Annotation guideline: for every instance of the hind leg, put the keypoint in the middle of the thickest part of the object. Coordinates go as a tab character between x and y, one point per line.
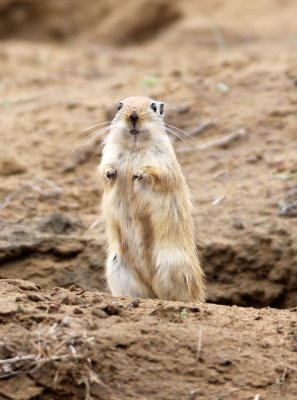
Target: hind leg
177	278
171	286
121	280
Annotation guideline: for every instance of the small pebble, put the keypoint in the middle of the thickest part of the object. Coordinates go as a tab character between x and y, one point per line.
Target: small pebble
10	165
66	322
226	362
54	306
252	160
134	303
237	224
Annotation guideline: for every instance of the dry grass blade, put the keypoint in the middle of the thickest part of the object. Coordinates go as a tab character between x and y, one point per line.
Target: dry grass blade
17	359
85	381
94	224
283	380
17	371
36	362
232	390
199	345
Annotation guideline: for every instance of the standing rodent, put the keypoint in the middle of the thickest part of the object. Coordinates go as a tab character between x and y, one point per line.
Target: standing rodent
147	208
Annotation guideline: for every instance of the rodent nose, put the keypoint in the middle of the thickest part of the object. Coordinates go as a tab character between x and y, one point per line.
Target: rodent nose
134	116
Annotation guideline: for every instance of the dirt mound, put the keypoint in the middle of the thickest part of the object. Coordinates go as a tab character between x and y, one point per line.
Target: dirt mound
67	344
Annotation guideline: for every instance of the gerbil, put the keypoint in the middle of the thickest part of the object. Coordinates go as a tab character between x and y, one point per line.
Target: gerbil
147	208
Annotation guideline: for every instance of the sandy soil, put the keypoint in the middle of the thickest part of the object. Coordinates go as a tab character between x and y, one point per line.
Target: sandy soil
221	66
90	345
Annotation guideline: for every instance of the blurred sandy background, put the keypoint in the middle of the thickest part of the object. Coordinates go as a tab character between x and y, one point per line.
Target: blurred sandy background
222	65
226	69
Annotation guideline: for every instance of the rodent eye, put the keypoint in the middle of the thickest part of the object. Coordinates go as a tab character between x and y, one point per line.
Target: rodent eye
154	107
120	106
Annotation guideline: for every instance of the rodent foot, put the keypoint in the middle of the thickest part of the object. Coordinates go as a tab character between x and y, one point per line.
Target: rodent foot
139	175
110	173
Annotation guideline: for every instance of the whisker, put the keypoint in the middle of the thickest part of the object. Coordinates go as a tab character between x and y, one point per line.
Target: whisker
169	130
91	137
90	127
180	130
96	134
175	133
98	117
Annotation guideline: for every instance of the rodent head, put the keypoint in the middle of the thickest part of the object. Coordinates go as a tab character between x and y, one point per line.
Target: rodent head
139	118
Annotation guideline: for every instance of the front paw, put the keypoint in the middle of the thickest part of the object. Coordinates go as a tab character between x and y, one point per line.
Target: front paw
110	173
140	174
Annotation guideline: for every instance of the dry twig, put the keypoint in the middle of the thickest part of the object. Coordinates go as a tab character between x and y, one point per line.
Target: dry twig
85	381
202	127
57	191
35	185
221	142
36	362
17	359
4	203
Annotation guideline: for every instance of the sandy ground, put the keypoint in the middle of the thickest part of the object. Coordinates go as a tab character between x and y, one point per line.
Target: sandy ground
221	66
89	345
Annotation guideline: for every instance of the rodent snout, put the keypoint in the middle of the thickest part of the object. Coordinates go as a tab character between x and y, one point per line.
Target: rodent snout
134	117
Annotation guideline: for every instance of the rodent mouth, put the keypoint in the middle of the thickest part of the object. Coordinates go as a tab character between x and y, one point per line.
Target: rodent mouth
134	131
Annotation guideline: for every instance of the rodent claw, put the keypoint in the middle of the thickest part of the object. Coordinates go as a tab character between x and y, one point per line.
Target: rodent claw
138	176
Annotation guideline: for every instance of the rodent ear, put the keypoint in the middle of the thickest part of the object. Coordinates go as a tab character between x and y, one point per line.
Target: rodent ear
162	109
